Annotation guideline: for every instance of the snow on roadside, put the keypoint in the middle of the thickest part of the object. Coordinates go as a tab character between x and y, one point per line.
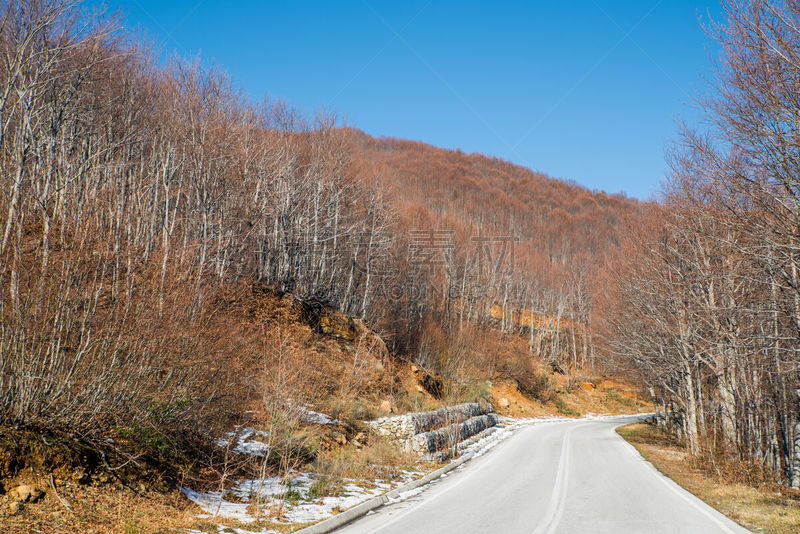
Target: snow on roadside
310	416
254	447
233	503
325	507
243	443
225	528
213	505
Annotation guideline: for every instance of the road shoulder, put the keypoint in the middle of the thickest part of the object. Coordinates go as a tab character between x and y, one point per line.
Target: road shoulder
761	508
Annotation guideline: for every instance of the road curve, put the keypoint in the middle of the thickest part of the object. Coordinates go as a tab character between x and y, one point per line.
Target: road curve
558	477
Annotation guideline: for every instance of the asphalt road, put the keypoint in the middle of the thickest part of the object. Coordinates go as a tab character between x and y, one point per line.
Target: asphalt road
565	477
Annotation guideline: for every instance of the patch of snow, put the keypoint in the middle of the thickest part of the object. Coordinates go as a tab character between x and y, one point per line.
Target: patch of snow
225	528
352	495
271	487
403	495
310	416
214	504
271	490
243	443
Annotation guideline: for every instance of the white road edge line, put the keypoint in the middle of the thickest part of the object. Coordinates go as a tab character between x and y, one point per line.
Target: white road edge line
684	494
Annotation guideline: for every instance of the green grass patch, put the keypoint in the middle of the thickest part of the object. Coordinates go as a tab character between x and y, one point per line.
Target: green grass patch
563	409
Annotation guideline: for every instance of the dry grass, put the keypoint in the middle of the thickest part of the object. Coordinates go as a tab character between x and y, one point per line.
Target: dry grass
112	510
605	396
100	510
764	508
107	508
381	459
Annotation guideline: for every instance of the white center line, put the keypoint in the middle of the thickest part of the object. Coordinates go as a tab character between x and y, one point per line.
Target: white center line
555	508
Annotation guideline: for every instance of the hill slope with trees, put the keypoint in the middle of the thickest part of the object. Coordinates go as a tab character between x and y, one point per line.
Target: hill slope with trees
134	194
175	259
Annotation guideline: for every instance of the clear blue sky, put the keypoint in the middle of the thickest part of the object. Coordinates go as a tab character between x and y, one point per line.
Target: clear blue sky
587	90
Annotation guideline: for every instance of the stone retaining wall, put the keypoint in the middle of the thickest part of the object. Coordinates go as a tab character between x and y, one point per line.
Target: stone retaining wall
425	433
447	437
409	425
